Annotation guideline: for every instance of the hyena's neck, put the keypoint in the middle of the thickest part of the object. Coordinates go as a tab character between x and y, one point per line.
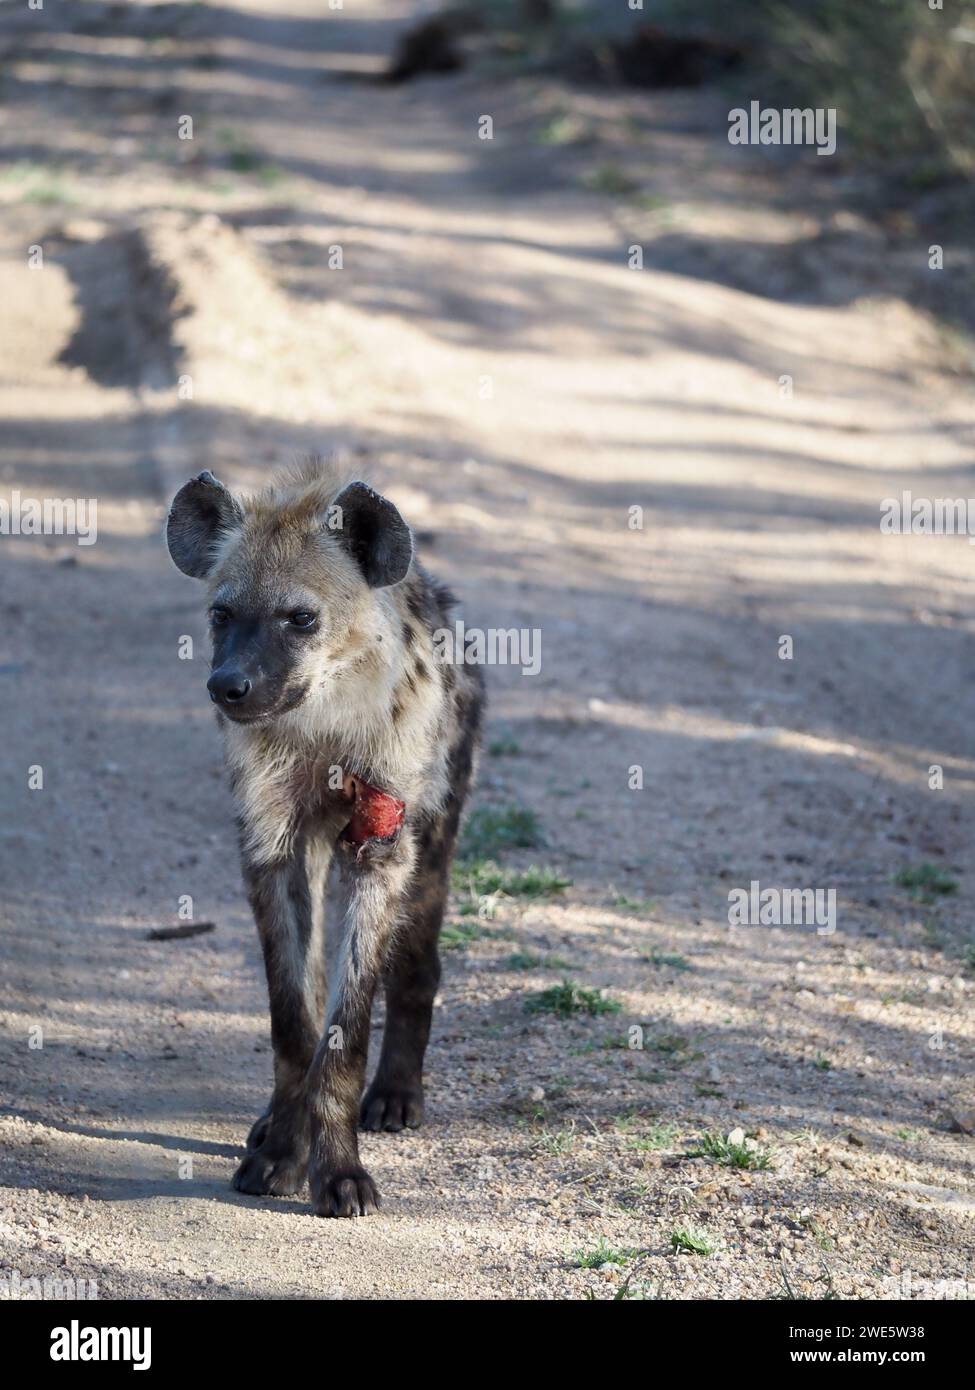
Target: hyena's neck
377	713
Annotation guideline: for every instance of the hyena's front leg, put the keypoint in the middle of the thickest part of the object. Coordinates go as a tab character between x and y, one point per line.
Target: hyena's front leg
288	903
394	1101
377	879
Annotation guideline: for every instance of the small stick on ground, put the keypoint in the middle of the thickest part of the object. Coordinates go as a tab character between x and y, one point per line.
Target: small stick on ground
185	929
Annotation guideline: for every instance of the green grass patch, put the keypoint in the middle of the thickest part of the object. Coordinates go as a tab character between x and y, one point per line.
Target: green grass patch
456	936
659	1136
927	881
525	960
554	1142
491	830
565	129
823	1280
934	935
611	180
504	748
693	1240
482	878
822	1238
244	158
39	183
559	963
604	1254
566	1000
625	904
732	1154
652	202
244	161
665	961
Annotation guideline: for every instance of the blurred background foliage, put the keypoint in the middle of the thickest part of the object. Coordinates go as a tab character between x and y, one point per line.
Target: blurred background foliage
900	74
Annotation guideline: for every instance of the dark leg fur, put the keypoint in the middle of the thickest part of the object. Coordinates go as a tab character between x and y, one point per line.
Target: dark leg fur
291	930
340	1186
259	1129
394	1101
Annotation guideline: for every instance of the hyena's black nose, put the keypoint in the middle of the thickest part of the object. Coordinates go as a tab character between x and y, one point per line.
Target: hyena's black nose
228	687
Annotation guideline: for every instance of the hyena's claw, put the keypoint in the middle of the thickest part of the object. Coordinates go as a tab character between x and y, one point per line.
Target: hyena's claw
260	1175
346	1194
259	1129
392	1108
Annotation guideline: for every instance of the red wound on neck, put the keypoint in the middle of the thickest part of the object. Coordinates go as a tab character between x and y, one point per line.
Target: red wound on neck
375	814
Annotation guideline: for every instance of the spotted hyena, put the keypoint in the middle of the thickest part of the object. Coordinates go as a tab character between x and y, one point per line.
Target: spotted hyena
346	740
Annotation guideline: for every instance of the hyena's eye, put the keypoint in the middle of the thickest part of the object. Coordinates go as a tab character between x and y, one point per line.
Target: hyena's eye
302	618
219	616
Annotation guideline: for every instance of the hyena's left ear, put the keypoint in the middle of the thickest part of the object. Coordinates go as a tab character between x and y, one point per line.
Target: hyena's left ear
375	533
202	511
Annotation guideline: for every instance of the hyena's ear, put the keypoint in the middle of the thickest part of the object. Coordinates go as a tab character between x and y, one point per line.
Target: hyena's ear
202	511
376	535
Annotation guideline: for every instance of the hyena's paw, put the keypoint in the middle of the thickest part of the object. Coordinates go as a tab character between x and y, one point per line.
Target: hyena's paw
259	1129
263	1174
392	1107
348	1193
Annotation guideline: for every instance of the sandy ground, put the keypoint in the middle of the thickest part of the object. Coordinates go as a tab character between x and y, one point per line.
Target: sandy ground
517	388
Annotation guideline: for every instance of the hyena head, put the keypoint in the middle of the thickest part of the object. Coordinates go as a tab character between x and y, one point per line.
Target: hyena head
292	577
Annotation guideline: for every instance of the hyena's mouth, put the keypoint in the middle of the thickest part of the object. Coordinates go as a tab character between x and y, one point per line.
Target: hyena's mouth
293	698
290	700
254	717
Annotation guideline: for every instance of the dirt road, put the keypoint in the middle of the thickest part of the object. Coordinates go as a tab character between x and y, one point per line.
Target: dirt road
331	262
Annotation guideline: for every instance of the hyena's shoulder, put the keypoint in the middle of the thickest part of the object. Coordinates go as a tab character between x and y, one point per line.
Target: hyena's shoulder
426	603
428	607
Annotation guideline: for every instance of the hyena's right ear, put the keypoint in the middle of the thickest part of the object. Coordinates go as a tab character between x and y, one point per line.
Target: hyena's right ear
202	511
